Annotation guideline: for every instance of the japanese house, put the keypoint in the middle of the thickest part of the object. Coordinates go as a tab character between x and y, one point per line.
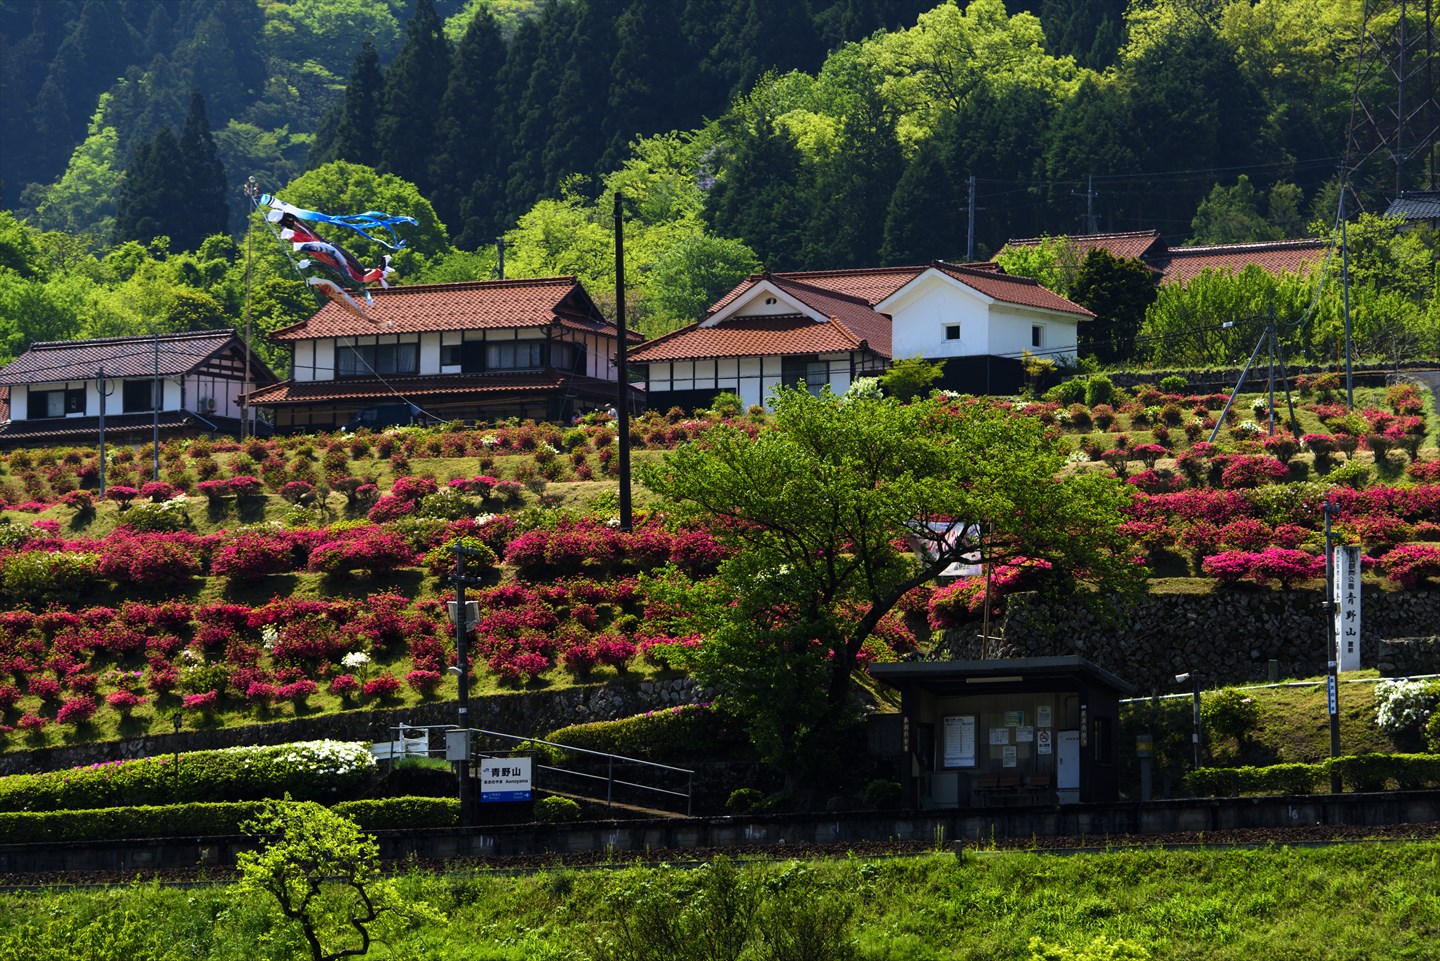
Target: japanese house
482	350
831	327
193	380
1179	264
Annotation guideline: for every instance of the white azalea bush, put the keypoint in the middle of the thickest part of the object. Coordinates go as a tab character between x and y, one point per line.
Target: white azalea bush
1403	706
306	770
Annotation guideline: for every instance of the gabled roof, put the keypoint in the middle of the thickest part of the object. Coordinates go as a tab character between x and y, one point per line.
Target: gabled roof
470	305
180	353
870	285
783	335
1010	289
1181	263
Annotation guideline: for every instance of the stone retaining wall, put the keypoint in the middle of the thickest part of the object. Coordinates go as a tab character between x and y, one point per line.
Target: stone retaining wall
529	714
1229	636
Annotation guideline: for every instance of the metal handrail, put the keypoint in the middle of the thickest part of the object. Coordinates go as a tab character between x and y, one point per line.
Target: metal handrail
609	778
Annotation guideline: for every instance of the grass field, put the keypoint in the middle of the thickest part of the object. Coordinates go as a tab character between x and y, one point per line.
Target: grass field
1355	901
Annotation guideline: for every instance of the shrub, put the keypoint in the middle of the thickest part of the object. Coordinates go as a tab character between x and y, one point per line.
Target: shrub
1229	713
372	550
167	516
124	701
556	810
298	492
881	795
307	770
425	683
206	702
122	495
382	686
1174	384
1403	706
344	686
1242	472
1411	564
38	575
440	561
668	733
1376	772
744	800
1099	390
1277	563
77	710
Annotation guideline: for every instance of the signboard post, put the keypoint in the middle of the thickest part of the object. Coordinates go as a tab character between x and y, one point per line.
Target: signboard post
1347	606
505	779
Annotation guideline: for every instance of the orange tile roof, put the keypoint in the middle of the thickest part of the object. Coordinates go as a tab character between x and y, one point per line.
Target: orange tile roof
471	305
1125	244
1276	257
749	337
871	285
1011	289
431	386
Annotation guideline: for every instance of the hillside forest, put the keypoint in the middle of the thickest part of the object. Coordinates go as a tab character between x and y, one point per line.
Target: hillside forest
742	134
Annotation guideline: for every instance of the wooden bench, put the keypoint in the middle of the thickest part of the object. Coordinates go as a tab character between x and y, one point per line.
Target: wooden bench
1037	789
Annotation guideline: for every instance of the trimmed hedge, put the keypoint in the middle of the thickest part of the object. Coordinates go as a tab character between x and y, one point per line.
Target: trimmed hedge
210	819
324	771
1364	772
676	732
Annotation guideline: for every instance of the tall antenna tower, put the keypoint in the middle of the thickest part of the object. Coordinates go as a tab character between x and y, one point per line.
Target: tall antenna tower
1394	114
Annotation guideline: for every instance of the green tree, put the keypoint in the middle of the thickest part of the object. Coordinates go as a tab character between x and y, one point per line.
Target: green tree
1054	262
465	169
760	196
691	275
1118	292
145	208
414	87
83	199
923	221
814	508
201	193
324	873
348	130
1230	215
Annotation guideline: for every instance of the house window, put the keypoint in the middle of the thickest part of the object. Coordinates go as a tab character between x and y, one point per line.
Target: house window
952	331
814	372
520	355
450	355
1037	336
137	395
56	403
371	359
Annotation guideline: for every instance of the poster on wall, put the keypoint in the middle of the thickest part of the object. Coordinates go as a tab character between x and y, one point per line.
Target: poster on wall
999	736
959	748
1043	742
1024	735
1347	607
1009	756
1043	716
1014	718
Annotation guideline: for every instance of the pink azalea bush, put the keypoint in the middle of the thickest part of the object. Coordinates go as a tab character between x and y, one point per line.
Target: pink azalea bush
1411	564
1275	563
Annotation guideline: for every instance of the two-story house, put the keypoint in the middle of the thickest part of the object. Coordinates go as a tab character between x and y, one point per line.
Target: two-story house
478	350
830	327
190	383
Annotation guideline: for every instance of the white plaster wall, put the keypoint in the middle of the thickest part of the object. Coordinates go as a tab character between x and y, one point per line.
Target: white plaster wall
324	359
19	402
1011	325
430	353
919	319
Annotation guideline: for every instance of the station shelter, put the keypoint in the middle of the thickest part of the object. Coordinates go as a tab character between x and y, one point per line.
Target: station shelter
1033	730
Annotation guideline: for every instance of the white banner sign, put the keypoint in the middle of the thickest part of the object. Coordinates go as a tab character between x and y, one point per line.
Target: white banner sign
1347	607
505	779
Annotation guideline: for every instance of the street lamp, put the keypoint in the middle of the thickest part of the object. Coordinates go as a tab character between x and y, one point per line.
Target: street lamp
1194	679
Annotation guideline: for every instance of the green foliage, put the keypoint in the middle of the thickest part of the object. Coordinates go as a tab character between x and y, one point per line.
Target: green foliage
321	770
1053	261
910	378
1099	949
1174	384
213	818
1118	292
556	810
669	734
1229	713
42	575
881	794
1098	390
324	873
743	800
815	506
1364	772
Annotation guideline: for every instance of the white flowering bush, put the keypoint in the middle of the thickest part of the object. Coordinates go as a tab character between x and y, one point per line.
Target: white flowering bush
1403	706
306	770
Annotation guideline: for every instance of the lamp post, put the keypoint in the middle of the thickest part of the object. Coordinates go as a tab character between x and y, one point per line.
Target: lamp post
1194	680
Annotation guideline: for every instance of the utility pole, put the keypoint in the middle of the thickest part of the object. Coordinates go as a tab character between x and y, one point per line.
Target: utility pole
1089	195
252	191
622	368
970	230
500	255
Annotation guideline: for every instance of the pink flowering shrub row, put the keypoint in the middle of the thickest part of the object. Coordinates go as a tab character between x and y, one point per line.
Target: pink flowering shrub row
1411	564
598	549
965	598
1284	565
